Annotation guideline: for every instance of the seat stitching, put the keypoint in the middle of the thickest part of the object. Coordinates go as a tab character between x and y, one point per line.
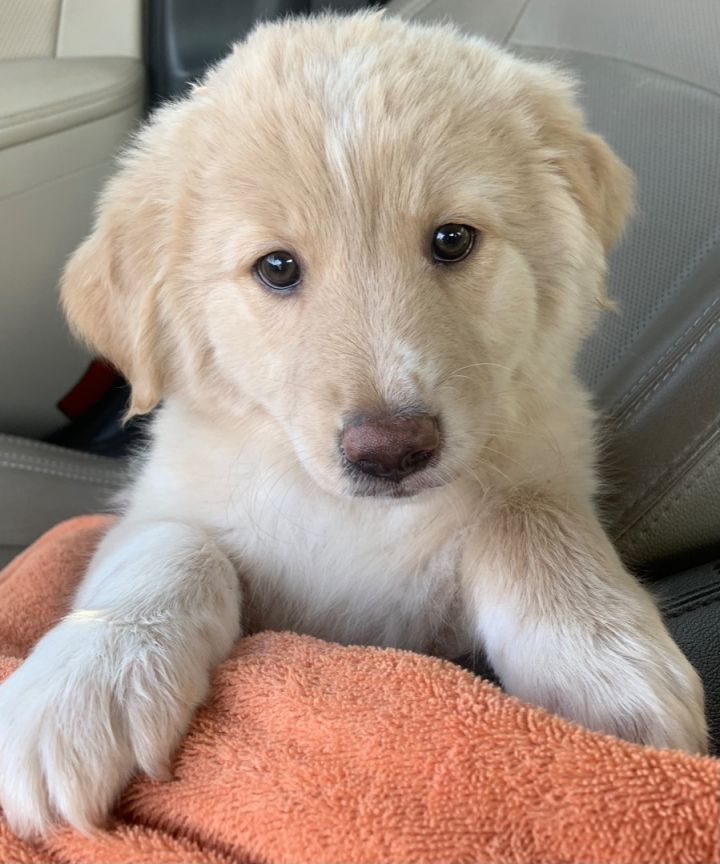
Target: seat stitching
641	380
67	466
43	445
711	602
683	487
696	594
649	488
695	344
40	469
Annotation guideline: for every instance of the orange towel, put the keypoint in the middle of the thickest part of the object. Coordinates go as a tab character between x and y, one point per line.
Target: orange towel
312	752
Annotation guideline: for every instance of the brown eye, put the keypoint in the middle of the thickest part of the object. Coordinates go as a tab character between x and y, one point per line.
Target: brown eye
452	243
278	271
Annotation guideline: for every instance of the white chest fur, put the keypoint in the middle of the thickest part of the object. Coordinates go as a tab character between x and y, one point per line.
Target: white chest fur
355	570
349	570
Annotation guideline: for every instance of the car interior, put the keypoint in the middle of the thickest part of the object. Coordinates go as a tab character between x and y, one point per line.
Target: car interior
76	78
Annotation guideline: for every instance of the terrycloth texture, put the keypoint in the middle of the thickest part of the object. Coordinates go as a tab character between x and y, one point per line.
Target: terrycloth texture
311	752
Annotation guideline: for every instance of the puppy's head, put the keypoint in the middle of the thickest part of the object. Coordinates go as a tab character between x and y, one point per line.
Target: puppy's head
372	231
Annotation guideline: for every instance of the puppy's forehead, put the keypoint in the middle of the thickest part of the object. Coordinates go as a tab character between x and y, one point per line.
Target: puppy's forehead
360	117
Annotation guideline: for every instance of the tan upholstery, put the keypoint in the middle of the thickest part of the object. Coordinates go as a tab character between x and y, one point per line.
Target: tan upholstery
62	121
28	28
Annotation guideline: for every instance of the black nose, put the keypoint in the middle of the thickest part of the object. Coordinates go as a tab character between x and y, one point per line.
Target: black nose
391	446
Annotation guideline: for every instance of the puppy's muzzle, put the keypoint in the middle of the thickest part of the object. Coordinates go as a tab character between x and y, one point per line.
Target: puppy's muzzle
390	446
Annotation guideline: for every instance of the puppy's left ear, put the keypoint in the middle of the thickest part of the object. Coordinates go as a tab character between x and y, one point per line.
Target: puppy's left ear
599	181
602	184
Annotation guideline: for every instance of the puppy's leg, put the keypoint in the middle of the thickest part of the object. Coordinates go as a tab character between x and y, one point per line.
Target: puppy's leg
567	627
113	686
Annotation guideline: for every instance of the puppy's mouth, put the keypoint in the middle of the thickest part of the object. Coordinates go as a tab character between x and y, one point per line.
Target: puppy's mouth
393	485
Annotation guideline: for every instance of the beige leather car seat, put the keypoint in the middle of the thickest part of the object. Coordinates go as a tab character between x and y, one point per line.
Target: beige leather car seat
71	88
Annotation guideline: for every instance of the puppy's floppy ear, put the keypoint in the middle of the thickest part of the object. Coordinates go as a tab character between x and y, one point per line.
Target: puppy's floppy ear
600	182
112	286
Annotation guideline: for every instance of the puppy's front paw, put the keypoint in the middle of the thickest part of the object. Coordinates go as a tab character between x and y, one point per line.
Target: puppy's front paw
90	706
643	690
666	703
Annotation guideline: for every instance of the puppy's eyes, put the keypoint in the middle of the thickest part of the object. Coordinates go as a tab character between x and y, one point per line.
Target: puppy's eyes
452	243
278	271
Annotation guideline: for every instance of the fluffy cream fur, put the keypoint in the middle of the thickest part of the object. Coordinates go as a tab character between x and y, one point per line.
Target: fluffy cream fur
346	141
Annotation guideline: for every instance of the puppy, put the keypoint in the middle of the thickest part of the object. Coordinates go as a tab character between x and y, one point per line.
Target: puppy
355	264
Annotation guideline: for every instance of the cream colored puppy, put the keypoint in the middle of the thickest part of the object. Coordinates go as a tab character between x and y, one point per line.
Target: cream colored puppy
355	265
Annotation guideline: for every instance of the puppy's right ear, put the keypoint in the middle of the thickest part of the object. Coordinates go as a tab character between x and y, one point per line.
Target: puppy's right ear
600	182
112	286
